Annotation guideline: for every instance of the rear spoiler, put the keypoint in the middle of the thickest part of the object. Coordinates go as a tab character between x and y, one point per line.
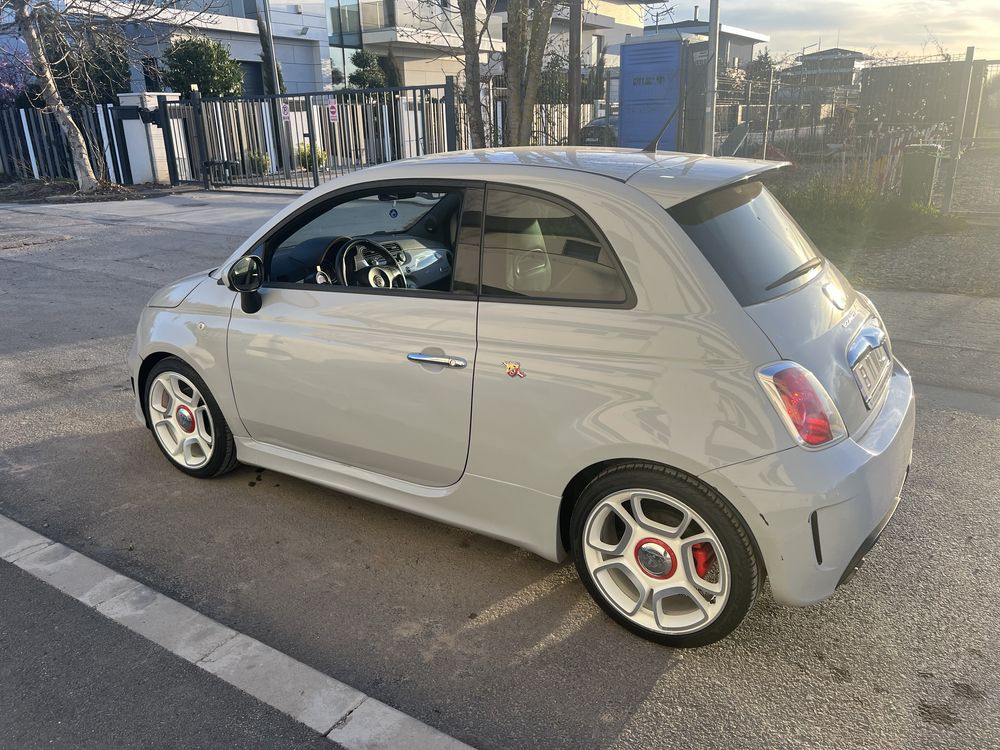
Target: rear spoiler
677	178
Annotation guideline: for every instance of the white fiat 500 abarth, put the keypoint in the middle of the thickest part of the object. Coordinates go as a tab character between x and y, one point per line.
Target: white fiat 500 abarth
635	359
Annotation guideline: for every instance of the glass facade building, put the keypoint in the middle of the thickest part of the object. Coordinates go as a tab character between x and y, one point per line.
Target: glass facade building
348	21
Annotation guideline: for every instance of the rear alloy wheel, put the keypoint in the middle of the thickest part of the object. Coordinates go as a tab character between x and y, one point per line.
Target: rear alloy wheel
187	423
664	555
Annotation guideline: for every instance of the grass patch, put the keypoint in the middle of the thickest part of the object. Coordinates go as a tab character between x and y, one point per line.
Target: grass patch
850	214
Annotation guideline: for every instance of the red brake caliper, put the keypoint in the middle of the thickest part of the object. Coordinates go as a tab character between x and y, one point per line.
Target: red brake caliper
704	556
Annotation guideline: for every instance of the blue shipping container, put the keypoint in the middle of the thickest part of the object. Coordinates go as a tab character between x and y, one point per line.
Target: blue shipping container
650	89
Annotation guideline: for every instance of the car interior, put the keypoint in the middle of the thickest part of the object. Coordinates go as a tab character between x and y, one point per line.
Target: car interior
406	239
535	247
383	240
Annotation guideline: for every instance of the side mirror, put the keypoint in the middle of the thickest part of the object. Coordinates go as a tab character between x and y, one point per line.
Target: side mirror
247	274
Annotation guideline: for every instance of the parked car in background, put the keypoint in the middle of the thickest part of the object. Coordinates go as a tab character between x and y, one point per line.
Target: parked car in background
601	131
635	359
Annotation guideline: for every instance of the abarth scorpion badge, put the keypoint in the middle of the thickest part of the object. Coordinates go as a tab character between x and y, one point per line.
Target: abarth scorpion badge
513	369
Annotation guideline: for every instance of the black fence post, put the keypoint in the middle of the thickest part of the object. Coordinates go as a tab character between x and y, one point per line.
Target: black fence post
450	115
163	115
313	140
199	124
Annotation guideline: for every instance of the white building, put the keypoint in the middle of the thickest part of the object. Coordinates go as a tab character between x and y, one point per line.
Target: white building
300	41
421	39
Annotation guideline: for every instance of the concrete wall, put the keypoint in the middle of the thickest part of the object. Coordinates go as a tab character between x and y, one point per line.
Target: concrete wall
147	155
428	72
300	42
299	57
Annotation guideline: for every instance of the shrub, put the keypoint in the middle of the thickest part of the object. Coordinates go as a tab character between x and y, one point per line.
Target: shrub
841	214
259	162
304	155
367	73
204	62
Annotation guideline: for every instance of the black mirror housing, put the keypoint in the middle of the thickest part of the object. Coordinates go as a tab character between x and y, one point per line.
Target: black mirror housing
246	274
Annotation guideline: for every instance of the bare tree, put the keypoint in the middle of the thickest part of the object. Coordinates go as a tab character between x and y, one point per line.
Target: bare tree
528	40
528	25
475	23
463	39
53	31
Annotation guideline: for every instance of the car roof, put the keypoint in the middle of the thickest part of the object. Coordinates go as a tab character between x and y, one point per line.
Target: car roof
668	177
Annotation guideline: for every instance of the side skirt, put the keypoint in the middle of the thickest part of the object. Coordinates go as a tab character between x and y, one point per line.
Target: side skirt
501	510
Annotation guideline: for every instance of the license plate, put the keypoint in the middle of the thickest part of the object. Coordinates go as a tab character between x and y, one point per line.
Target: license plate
870	371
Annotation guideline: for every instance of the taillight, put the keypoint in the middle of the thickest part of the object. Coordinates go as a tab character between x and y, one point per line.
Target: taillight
803	404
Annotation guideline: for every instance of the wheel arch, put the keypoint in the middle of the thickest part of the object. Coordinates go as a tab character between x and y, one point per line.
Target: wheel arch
145	367
584	477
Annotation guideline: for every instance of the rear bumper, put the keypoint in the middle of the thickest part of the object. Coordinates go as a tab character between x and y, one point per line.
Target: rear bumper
815	514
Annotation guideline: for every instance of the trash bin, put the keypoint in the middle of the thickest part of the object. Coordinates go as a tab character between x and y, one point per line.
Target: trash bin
919	170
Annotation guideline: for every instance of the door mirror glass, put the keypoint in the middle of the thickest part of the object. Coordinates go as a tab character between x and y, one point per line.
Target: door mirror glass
246	274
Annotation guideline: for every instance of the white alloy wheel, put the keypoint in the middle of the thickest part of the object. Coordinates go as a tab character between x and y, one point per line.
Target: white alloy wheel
657	561
181	420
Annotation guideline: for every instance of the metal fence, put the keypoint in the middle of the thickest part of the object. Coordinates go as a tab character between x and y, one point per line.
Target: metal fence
300	140
550	116
33	146
860	131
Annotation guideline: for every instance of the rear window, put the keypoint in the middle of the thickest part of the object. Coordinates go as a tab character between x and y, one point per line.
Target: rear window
751	241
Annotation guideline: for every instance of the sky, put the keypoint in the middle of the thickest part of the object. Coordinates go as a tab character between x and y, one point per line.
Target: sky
890	26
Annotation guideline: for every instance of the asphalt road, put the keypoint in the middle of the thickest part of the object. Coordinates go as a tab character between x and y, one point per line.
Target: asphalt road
69	677
476	638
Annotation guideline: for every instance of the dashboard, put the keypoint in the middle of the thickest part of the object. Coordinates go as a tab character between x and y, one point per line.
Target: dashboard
424	262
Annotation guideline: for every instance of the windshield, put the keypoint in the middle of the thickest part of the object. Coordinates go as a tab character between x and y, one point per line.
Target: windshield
375	214
751	241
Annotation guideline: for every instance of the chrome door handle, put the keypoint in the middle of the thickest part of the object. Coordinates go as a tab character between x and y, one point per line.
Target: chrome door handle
429	359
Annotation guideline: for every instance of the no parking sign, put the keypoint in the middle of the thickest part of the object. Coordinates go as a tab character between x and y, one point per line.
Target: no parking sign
286	112
332	110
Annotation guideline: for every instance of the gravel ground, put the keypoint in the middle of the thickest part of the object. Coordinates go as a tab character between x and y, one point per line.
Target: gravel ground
978	185
966	263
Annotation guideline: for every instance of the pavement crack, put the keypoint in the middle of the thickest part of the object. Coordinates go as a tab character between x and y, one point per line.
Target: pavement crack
208	657
346	717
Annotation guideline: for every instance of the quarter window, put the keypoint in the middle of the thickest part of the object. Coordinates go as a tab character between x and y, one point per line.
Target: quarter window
542	249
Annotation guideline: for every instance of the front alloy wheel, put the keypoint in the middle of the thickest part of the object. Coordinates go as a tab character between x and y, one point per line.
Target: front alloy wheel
664	555
181	420
186	421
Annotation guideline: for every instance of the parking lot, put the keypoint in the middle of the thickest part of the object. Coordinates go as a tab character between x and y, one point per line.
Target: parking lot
483	641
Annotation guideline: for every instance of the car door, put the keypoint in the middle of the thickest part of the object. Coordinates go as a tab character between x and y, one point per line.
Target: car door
561	357
379	379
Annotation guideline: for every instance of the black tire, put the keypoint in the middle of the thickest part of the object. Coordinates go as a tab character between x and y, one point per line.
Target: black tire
745	568
223	458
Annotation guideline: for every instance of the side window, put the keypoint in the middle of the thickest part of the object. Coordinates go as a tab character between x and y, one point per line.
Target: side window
542	249
385	238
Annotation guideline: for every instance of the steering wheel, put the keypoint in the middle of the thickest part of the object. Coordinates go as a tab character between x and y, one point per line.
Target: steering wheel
357	272
335	270
325	273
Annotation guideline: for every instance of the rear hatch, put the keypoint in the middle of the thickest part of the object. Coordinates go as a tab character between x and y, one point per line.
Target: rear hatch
798	298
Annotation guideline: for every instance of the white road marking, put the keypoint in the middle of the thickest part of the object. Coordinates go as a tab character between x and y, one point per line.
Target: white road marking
330	707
